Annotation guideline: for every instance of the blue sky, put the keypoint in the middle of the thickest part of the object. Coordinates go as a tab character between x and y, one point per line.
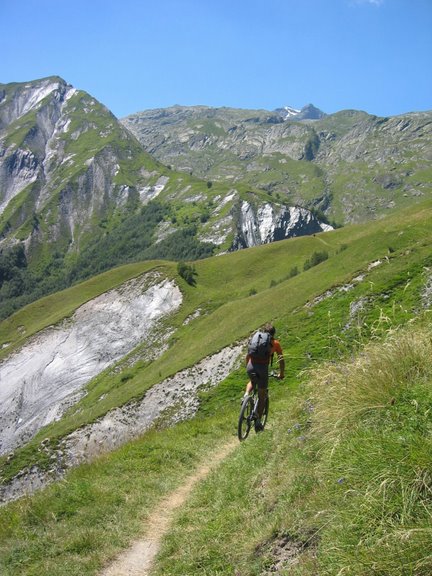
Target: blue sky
372	55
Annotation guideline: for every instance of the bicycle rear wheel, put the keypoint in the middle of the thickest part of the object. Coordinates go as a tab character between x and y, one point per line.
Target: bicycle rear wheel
245	419
265	412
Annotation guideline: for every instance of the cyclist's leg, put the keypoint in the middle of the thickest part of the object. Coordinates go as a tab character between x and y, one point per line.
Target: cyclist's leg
258	374
249	387
262	389
253	378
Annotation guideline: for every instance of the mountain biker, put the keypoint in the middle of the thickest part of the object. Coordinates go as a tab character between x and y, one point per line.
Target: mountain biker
258	371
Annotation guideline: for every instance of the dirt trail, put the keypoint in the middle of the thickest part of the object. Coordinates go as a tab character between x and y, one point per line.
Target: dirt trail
138	559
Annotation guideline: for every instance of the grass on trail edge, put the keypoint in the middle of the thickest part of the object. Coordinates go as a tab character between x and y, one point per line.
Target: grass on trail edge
76	526
339	483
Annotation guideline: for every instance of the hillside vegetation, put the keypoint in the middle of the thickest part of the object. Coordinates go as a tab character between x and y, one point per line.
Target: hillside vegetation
82	192
351	165
340	480
340	484
79	195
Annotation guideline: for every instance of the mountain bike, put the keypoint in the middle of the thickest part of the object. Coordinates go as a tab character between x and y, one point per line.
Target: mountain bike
249	411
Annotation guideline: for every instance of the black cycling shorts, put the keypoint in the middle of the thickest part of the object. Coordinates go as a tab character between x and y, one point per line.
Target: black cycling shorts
258	374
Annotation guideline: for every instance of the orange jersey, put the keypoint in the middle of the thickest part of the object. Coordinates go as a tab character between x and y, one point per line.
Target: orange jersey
276	348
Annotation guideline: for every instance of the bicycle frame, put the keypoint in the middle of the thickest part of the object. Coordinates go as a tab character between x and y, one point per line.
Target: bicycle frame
249	411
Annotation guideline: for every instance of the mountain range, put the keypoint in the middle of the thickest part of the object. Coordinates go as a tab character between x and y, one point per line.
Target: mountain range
81	191
79	194
350	165
136	259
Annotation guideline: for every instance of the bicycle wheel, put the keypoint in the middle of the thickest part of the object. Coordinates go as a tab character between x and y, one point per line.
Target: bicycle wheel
245	419
265	412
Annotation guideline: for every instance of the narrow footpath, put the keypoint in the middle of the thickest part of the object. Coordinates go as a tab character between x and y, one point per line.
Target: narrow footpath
138	559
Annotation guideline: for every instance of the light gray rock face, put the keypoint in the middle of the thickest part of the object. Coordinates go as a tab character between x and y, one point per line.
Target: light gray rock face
21	163
67	156
48	374
28	96
253	224
18	170
177	395
174	399
269	223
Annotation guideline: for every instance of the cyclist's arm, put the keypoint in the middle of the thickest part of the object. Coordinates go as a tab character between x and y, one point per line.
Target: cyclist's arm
278	350
281	366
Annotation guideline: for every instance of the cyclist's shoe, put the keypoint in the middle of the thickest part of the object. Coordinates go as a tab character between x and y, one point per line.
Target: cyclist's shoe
258	425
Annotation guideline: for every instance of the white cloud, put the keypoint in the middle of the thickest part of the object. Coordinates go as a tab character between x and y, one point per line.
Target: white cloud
370	2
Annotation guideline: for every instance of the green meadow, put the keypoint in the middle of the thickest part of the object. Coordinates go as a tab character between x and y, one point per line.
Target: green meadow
339	482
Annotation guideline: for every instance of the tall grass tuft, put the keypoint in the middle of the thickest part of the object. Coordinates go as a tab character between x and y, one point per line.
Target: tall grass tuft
372	423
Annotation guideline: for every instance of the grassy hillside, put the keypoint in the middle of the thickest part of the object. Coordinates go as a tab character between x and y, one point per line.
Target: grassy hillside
339	482
235	293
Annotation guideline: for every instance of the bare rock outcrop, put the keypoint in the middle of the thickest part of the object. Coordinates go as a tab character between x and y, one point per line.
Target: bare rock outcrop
49	373
173	400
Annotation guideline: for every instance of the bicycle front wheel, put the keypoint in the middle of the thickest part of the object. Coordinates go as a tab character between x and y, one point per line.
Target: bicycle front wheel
245	419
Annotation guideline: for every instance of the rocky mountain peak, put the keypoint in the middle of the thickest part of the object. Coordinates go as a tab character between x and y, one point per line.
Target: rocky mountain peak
19	99
308	112
288	112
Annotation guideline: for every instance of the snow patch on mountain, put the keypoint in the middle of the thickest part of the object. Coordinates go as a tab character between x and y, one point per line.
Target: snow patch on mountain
308	112
290	111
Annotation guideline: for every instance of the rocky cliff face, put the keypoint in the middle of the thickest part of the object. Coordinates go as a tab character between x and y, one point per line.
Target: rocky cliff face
351	165
61	155
27	142
270	223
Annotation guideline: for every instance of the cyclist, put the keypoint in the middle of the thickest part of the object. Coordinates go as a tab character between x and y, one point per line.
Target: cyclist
258	371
